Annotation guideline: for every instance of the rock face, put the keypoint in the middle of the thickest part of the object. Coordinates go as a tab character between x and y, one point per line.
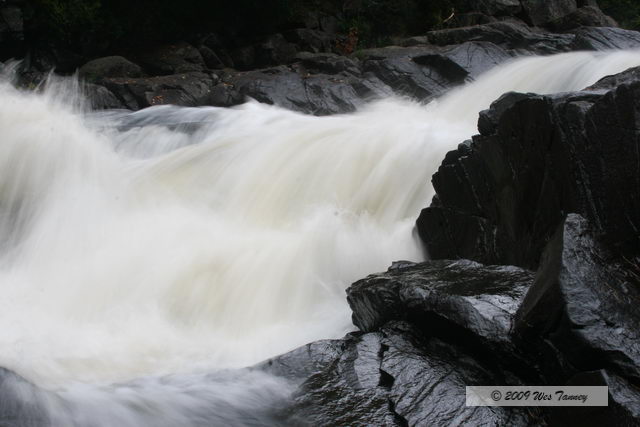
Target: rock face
480	300
109	66
501	196
380	378
513	36
584	303
605	38
189	89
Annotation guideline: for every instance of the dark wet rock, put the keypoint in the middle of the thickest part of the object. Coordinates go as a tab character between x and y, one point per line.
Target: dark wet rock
297	89
584	304
612	82
596	38
328	63
488	119
482	300
101	98
425	72
20	404
475	57
542	12
511	36
415	41
460	302
588	16
501	197
109	66
189	89
427	380
306	360
170	59
397	377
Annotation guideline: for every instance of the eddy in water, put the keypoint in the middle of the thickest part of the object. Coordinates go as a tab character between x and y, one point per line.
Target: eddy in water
140	259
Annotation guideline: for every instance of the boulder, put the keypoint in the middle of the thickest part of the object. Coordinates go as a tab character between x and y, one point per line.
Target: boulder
479	301
297	89
101	98
512	36
188	89
175	58
583	303
543	12
109	66
597	38
328	63
393	377
424	72
501	196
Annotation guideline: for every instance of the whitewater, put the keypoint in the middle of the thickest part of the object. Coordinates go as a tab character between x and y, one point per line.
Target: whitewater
144	253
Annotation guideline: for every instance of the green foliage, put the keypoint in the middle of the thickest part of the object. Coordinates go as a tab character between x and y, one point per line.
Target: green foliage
68	20
626	12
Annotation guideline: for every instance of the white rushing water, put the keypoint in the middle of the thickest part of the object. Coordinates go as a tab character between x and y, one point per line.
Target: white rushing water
131	250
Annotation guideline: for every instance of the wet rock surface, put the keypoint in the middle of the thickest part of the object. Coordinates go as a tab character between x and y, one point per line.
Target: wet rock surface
584	303
396	377
501	196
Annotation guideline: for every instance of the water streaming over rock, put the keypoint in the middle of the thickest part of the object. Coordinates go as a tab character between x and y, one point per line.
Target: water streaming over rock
140	253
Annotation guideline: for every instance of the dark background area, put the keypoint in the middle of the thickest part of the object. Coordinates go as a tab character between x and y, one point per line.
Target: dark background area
92	28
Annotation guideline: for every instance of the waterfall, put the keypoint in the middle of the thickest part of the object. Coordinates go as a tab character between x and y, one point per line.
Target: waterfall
142	252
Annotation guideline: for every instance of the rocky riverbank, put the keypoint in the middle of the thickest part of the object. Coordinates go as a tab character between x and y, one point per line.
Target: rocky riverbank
315	70
551	185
